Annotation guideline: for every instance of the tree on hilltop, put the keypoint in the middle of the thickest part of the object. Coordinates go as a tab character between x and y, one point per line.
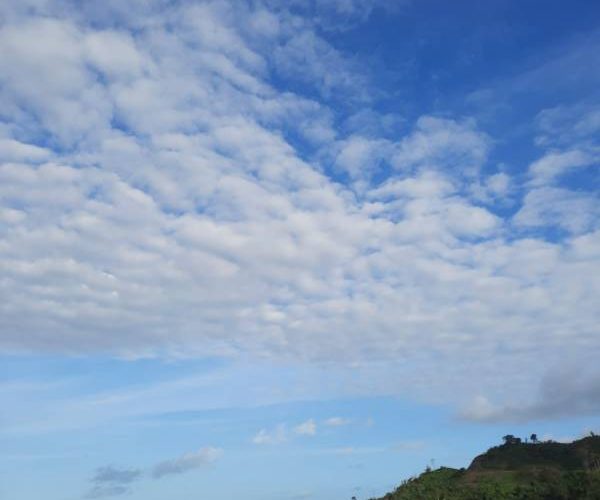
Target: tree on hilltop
510	439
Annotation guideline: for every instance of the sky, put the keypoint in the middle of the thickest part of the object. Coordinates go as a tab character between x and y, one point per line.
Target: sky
292	250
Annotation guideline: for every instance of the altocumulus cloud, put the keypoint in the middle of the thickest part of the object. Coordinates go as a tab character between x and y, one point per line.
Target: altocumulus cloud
166	212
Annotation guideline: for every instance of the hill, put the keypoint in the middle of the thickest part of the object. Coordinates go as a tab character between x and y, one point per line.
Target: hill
515	471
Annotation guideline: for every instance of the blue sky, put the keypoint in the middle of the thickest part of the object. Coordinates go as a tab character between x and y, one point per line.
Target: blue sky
292	250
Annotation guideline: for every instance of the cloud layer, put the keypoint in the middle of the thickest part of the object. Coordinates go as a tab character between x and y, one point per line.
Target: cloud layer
180	180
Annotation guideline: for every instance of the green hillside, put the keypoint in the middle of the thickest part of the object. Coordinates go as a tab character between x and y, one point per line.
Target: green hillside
515	470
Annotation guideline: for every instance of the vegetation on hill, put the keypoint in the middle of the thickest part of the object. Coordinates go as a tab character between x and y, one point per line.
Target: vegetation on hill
515	470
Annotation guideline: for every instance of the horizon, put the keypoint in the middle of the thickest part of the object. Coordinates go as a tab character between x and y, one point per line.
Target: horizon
292	250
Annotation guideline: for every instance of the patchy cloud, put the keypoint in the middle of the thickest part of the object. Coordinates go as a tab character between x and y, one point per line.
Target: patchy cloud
163	194
112	481
575	212
308	428
277	435
110	474
337	421
187	462
555	164
443	143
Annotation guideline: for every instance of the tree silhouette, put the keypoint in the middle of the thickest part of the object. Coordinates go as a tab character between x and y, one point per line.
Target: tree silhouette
534	438
510	439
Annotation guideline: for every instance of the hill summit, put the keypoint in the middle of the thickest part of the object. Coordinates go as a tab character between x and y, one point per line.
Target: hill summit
516	470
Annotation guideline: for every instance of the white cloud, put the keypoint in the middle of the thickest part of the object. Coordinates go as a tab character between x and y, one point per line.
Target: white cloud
277	435
554	164
360	156
498	184
12	150
568	125
308	58
46	53
308	428
479	409
336	421
495	189
428	184
336	15
115	55
444	143
576	212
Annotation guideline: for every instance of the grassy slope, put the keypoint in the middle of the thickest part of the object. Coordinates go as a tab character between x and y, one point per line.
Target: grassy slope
544	471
